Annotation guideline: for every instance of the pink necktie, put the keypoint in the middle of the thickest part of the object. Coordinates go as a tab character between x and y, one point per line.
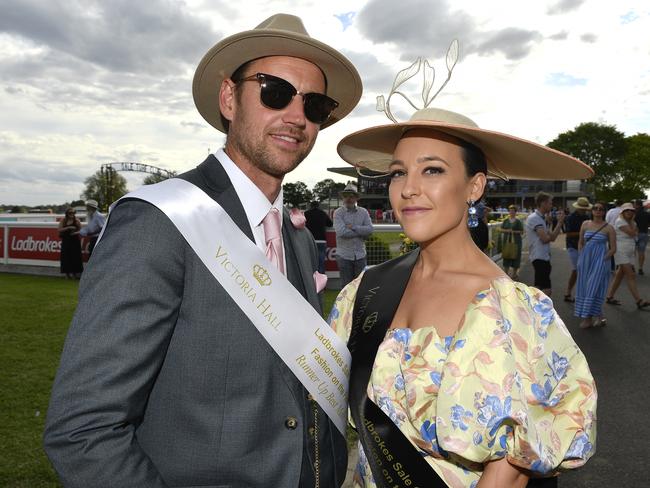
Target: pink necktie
273	236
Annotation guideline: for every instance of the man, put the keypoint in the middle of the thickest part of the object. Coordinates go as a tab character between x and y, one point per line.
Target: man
610	217
317	223
95	224
539	240
164	380
353	226
572	229
642	219
613	213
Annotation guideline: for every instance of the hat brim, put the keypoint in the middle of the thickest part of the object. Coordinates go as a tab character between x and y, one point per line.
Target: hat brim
343	81
507	156
580	207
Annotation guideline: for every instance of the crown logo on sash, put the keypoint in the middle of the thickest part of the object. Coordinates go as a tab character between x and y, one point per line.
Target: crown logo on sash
261	275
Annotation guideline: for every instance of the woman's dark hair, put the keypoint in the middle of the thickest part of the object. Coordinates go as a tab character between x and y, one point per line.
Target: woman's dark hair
473	158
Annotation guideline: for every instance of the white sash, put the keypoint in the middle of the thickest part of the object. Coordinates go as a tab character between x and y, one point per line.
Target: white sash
297	333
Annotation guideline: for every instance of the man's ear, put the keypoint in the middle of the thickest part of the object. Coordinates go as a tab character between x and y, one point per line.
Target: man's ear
227	104
477	186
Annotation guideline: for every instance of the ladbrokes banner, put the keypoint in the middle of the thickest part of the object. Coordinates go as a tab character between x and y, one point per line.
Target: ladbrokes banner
34	243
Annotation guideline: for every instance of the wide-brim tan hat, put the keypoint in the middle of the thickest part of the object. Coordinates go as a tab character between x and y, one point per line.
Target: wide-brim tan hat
627	206
279	35
350	189
92	203
582	204
507	156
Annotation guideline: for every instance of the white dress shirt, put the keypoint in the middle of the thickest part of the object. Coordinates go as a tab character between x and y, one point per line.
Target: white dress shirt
255	203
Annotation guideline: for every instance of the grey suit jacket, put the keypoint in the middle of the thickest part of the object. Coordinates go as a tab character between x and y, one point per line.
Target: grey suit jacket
164	381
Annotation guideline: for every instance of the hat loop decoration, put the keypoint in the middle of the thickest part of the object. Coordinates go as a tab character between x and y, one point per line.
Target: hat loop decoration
429	76
371	150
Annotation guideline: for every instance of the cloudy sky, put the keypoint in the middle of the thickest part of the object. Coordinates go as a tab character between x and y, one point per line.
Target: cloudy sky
85	82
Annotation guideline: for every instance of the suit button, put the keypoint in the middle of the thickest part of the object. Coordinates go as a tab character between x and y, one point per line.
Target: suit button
291	423
311	431
309	397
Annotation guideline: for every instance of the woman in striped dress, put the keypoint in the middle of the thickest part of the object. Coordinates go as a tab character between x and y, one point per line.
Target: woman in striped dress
597	245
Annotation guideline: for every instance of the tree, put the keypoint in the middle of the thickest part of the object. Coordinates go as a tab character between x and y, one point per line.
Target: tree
153	178
600	146
296	193
635	169
326	189
105	187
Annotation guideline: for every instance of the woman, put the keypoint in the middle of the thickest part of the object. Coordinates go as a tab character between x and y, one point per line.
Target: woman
596	245
626	232
69	227
511	231
455	366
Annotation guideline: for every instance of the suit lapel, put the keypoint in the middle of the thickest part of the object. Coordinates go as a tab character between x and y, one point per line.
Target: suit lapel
213	180
299	268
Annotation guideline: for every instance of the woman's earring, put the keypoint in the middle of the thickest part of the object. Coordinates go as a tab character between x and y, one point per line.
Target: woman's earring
472	219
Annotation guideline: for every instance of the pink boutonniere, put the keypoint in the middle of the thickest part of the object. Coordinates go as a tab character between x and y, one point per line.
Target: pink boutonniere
297	218
320	280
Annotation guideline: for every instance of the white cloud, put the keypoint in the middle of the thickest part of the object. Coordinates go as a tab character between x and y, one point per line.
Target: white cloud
112	81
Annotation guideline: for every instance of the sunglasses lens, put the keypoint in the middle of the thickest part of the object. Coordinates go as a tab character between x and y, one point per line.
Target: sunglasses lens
276	93
319	107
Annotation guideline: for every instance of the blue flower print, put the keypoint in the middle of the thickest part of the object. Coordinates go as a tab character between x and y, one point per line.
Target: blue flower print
506	326
544	308
399	382
543	393
436	378
540	466
459	343
458	417
334	314
402	335
388	408
478	438
580	448
492	412
559	366
474	483
446	346
428	433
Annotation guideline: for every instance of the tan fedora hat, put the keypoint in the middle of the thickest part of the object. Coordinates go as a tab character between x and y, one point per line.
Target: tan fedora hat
350	189
582	204
507	156
279	35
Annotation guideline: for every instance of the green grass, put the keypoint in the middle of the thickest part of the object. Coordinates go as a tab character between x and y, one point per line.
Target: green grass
36	312
34	318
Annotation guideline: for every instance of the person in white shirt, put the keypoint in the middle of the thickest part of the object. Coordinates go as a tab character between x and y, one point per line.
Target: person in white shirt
539	238
613	213
626	233
94	226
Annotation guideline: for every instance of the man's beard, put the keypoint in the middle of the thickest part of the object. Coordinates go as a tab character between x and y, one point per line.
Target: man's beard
262	158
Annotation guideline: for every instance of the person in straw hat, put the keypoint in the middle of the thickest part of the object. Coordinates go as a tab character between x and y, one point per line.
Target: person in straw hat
460	376
164	381
572	225
352	225
626	232
95	222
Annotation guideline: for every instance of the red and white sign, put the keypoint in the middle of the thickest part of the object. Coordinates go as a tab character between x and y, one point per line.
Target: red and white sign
34	244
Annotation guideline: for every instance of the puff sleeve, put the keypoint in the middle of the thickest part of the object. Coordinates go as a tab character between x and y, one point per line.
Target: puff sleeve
519	387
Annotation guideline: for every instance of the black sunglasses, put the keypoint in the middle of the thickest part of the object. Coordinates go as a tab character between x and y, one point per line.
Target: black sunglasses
277	93
598	208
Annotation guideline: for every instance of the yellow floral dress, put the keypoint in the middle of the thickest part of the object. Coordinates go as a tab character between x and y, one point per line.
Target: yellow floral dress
511	382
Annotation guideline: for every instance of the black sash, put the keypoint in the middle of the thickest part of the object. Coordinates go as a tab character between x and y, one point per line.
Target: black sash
393	460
